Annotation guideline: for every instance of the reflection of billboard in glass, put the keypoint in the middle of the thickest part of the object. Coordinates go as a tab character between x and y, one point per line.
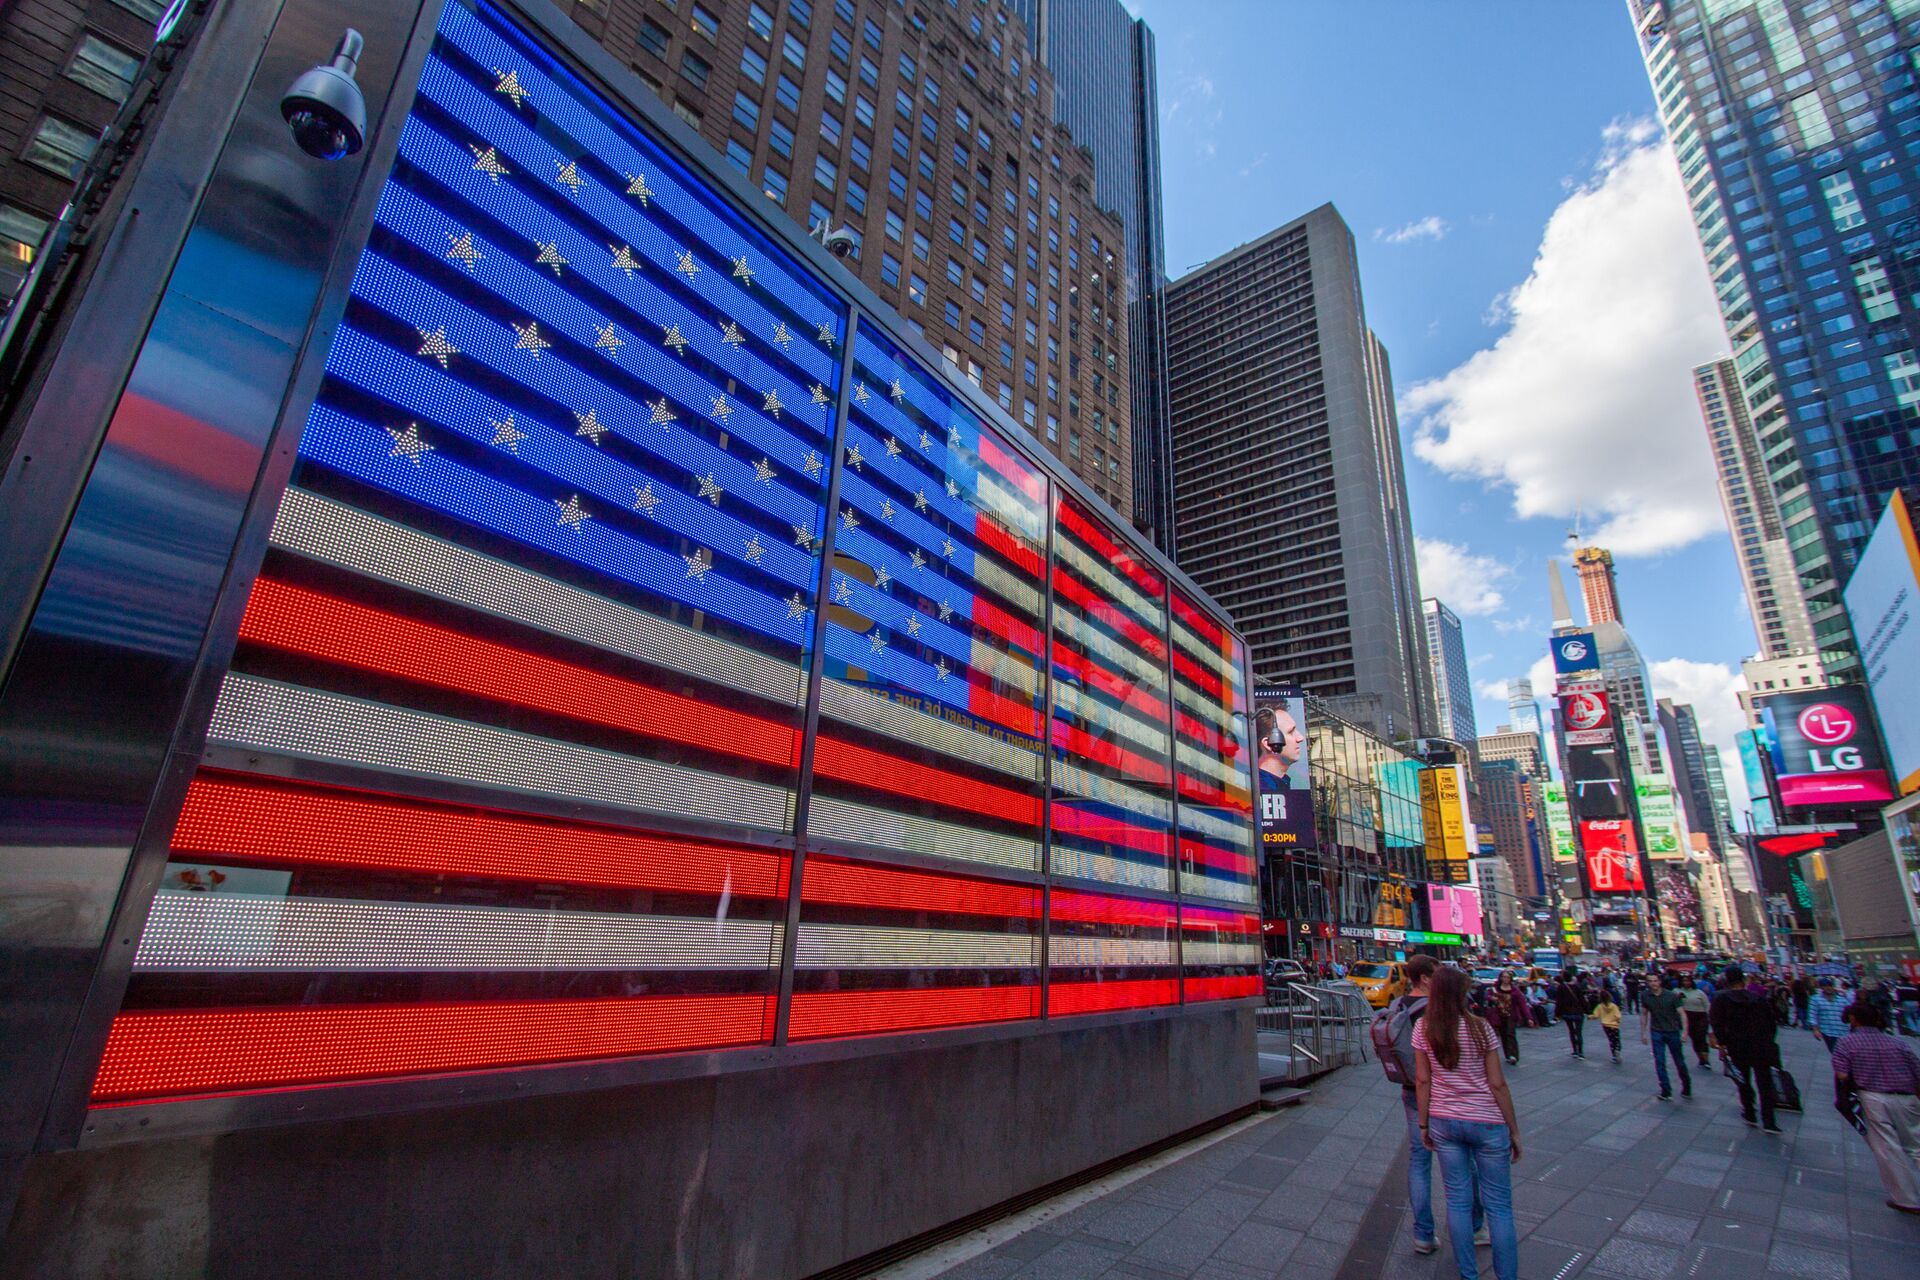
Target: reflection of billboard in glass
1454	909
1280	753
1883	599
1613	856
1212	764
1825	750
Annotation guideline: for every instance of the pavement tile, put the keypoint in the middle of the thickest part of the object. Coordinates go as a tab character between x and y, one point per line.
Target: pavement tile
1669	1194
1074	1260
1027	1246
1821	1225
1641	1259
1708	1263
1130	1221
1224	1209
1315	1260
1262	1171
1256	1244
1544	1259
1651	1224
1180	1244
986	1266
1735	1234
1810	1264
1570	1226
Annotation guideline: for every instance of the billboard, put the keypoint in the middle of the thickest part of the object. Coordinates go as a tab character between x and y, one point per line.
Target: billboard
1443	807
1586	718
1825	751
1575	653
1883	599
1553	801
1613	856
1659	818
1454	909
1280	756
1594	784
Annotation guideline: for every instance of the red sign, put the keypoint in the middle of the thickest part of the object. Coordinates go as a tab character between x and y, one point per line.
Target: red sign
1586	718
1613	855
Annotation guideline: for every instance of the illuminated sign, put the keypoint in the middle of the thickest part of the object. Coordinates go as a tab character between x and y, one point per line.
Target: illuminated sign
1585	718
1280	749
545	593
1659	817
1575	652
1443	807
1613	856
1883	599
1825	752
1553	799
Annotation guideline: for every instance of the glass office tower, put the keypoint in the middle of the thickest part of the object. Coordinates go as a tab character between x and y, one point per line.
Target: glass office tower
1105	92
1795	130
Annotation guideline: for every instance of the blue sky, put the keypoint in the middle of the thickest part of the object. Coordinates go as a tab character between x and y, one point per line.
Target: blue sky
1527	259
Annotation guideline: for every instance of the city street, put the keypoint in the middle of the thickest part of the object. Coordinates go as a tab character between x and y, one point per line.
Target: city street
1613	1184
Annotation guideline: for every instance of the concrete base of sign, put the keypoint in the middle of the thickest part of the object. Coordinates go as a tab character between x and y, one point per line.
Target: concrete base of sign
769	1174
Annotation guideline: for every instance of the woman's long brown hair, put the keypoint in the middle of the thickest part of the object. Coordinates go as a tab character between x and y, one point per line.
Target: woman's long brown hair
1447	1013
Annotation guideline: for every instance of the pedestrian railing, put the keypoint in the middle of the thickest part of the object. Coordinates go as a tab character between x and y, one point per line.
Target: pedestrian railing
1308	1029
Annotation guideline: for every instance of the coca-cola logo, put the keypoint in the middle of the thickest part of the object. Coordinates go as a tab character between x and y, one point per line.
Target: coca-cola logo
1827	724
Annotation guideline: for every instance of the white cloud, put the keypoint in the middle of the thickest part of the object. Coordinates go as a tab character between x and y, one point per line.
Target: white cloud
1712	690
1246	170
1459	579
1585	404
1431	227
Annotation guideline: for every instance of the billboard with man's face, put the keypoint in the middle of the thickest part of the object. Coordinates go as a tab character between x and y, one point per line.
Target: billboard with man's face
1280	756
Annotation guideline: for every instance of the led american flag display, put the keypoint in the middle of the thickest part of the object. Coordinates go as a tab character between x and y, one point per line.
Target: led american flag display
507	769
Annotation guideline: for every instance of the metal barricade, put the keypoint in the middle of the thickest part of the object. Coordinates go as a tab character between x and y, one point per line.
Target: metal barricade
1308	1029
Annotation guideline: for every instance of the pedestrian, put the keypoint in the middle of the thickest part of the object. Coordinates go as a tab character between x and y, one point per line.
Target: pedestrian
1826	1013
1570	1006
1802	993
1413	1007
1633	984
1693	1003
1742	1022
1910	1008
1466	1117
1607	1014
1507	1013
1885	1073
1660	1025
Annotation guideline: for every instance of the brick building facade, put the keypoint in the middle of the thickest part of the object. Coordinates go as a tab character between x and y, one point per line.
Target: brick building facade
924	127
65	68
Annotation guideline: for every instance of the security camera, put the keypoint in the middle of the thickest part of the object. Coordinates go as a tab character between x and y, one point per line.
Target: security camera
324	107
840	243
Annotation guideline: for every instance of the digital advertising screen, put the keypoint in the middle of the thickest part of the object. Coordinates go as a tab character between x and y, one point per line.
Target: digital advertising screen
1575	653
1883	600
1586	719
1280	754
1825	749
1553	802
1613	856
1454	909
1449	831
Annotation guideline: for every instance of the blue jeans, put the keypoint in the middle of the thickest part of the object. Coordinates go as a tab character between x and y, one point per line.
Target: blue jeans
1420	1174
1474	1164
1669	1042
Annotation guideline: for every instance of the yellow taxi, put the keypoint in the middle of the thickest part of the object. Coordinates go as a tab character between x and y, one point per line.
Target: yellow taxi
1379	982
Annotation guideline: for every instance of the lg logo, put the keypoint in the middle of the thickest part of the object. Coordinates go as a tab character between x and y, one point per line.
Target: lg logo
1825	725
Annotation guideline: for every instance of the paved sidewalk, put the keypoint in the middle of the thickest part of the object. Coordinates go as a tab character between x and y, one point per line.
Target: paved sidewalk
1614	1184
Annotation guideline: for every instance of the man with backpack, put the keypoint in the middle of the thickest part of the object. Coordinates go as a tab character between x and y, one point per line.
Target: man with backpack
1743	1023
1392	1033
1570	1003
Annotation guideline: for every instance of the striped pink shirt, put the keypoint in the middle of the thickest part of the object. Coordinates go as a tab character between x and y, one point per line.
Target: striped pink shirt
1462	1093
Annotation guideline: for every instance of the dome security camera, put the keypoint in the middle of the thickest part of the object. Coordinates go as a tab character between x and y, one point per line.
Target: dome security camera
840	243
324	107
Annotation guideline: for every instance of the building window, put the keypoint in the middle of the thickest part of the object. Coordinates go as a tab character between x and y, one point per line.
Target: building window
824	172
654	37
889	269
705	23
922	247
1842	202
20	234
760	22
1903	371
856	196
741	157
863	110
752	65
895	226
746	111
780	138
774	183
104	68
787	94
917	290
830	128
800	12
953	314
687	112
59	147
794	51
1877	298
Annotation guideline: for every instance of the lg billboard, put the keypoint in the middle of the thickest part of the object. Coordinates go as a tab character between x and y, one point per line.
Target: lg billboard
1825	750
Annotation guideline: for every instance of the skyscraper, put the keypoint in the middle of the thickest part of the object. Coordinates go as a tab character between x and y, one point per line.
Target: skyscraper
1106	93
1523	711
1290	498
1523	747
1787	121
1697	780
931	136
1774	598
1452	683
1595	567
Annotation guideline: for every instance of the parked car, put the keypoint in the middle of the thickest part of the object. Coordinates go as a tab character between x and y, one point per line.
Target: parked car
1379	982
1487	977
1281	972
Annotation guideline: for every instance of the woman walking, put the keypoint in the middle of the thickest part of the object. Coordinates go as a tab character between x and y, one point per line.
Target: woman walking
1466	1117
1507	1013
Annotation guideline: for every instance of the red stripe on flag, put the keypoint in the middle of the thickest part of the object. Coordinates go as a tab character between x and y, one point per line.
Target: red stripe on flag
157	1053
1095	908
1024	478
1205	792
830	880
1238	864
817	1015
1092	825
323	827
1093	997
1108	549
1192	670
1229	987
1205	735
867	767
1070	660
990	534
1102	610
1082	743
1215	920
322	626
1022	635
1205	627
